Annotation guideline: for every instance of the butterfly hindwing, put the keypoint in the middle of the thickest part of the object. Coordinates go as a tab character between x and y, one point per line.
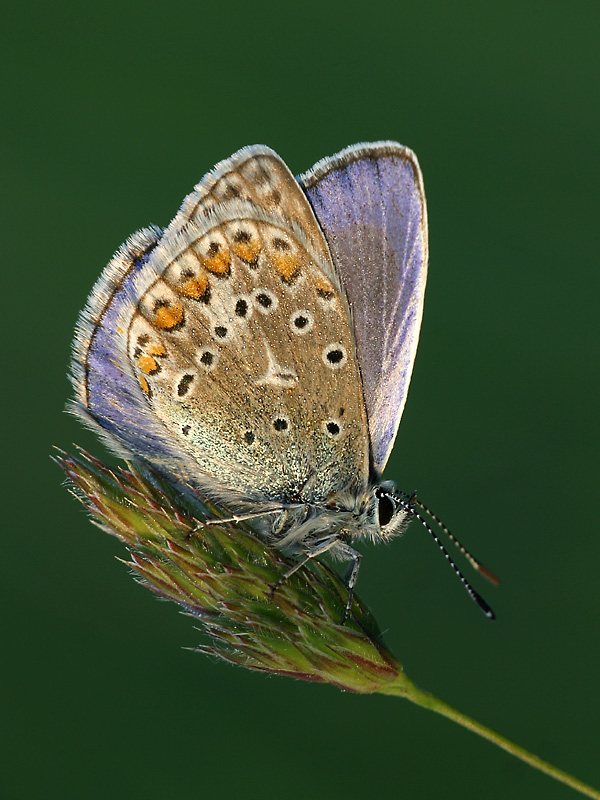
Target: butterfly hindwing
224	354
107	394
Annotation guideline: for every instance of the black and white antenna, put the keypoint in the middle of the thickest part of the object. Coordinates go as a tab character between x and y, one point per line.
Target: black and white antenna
409	506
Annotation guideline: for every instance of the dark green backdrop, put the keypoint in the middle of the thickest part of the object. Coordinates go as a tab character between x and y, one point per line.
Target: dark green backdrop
112	112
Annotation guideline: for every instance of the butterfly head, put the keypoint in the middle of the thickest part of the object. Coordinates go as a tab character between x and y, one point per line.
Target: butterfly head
386	513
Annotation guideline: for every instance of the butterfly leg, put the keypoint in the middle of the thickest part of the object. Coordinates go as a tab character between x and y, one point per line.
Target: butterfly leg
317	550
351	574
249	515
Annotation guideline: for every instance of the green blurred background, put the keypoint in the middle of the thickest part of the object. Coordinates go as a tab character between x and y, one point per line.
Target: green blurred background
112	112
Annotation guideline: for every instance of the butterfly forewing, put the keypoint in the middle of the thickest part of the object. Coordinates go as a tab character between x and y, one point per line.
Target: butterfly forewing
258	175
370	204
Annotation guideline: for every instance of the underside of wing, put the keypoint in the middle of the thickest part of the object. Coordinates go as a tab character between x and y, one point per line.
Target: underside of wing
107	395
370	203
222	352
255	174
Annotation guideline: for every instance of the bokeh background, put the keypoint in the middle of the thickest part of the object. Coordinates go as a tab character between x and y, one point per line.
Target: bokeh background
112	111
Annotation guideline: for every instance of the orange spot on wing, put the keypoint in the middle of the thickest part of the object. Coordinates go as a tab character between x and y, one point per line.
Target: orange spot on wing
218	263
144	384
157	350
147	364
167	317
324	287
286	264
247	250
195	288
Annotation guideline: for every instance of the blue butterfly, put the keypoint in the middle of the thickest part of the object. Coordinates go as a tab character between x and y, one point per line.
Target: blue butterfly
260	348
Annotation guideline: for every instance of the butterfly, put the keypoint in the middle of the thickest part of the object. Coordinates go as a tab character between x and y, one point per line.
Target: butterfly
259	349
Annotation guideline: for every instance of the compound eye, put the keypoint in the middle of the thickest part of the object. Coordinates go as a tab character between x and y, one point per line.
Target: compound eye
386	510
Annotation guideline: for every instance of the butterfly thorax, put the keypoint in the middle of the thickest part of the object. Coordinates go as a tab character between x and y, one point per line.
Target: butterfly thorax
376	514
